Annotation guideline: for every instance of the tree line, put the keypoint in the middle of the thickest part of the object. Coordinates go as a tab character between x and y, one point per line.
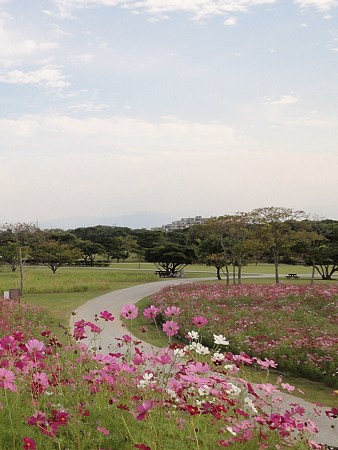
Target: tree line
227	243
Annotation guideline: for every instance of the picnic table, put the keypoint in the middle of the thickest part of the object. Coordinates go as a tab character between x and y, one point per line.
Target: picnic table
290	276
165	274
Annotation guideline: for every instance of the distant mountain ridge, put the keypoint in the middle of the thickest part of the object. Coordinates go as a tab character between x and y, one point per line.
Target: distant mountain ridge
143	219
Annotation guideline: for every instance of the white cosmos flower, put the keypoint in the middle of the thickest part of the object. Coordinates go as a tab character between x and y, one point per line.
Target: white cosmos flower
179	352
219	339
251	405
218	357
193	335
231	431
235	390
201	350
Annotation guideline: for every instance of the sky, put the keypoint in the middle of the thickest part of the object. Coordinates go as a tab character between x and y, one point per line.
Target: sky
169	108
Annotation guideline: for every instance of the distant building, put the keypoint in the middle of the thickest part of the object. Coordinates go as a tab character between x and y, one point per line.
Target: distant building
182	223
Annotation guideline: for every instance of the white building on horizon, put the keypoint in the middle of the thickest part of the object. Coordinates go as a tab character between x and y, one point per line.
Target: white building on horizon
185	222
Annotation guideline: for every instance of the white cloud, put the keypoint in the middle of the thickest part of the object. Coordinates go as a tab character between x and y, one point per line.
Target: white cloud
16	49
118	134
102	167
88	107
283	100
322	5
198	8
48	76
230	22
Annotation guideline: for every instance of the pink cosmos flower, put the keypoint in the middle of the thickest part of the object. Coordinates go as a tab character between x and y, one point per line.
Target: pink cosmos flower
143	408
40	382
35	346
28	443
170	328
7	379
151	312
288	387
129	311
107	316
103	431
266	363
199	321
172	311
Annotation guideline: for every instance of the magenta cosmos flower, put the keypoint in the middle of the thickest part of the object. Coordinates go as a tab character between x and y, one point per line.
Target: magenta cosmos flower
129	311
143	408
28	443
170	328
151	312
107	316
199	321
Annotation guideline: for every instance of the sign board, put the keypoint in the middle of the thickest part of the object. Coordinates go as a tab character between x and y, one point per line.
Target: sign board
14	294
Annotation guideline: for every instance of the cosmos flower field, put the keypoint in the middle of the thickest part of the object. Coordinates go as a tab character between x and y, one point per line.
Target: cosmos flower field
57	396
297	326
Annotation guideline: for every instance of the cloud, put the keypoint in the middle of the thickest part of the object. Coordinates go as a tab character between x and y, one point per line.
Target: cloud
199	9
283	100
48	76
322	5
70	167
117	134
88	107
15	49
230	22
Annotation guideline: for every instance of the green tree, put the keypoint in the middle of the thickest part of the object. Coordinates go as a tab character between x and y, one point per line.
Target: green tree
9	254
323	254
25	238
89	250
55	254
171	257
274	229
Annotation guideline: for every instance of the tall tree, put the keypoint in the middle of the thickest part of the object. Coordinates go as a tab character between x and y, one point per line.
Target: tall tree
274	229
26	237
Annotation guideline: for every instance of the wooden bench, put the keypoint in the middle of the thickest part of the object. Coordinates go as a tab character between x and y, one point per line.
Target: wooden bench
292	276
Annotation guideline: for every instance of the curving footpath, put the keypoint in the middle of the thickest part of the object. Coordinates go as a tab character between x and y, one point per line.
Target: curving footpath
113	302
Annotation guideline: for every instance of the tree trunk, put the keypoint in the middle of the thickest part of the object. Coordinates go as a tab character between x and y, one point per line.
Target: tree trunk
21	263
239	274
233	274
226	273
313	274
276	262
218	273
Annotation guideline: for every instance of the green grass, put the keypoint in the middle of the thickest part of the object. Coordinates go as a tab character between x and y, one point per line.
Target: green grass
61	293
42	280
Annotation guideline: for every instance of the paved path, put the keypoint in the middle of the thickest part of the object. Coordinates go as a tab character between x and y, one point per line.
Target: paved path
113	302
